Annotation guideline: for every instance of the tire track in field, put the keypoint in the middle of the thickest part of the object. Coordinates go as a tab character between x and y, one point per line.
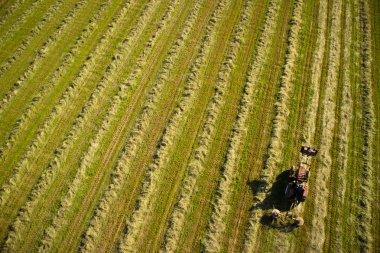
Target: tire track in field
317	233
366	197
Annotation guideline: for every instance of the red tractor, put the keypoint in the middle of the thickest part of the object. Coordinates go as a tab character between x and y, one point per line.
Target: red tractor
297	189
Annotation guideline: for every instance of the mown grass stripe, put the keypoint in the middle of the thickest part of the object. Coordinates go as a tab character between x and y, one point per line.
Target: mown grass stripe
18	24
172	93
98	181
32	109
170	134
124	88
317	233
116	67
366	197
10	52
42	52
344	130
279	123
195	166
8	10
37	110
118	174
49	175
72	93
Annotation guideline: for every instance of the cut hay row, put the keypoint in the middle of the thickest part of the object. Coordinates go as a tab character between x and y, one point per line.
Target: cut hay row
171	132
8	59
31	110
111	115
312	108
10	10
345	116
150	104
317	234
17	25
81	124
216	226
221	206
71	93
195	167
121	170
366	192
42	52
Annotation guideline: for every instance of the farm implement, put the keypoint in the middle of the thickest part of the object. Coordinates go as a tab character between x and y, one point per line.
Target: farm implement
296	191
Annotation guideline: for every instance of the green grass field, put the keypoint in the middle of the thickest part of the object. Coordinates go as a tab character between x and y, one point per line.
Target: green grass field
169	125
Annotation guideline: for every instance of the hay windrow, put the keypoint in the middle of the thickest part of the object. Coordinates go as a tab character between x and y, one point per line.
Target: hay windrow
84	118
17	25
122	168
364	215
62	106
15	178
195	166
279	125
171	133
89	157
41	53
345	117
32	108
317	234
10	10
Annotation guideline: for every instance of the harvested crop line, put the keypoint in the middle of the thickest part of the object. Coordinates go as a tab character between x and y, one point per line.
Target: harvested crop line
142	122
10	11
171	132
195	166
366	198
121	170
42	52
245	107
20	21
32	34
343	134
58	74
85	117
317	236
67	200
48	128
311	112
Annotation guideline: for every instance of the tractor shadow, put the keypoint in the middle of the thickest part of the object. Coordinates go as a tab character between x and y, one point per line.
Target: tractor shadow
275	198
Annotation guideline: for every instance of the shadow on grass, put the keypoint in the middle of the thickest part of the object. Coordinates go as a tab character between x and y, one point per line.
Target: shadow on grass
275	198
